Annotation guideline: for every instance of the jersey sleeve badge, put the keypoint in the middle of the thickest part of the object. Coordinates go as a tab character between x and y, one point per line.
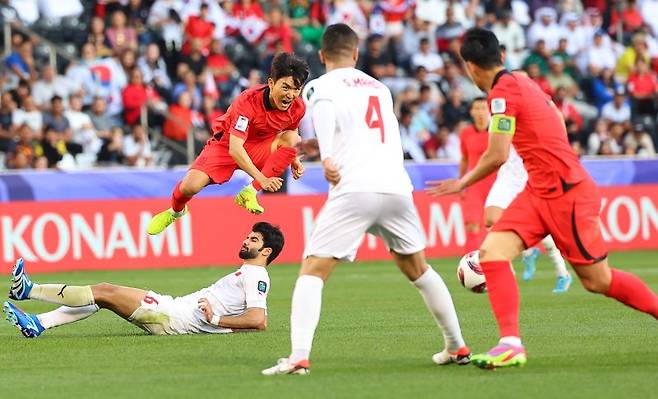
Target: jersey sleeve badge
262	286
502	124
498	106
242	123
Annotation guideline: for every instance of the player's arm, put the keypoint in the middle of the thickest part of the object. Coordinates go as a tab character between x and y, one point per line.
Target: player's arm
251	319
239	154
324	123
501	129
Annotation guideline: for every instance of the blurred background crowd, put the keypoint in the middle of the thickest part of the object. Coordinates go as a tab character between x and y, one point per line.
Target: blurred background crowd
138	82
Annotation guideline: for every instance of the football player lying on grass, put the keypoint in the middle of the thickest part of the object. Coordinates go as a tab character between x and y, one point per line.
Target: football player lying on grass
236	302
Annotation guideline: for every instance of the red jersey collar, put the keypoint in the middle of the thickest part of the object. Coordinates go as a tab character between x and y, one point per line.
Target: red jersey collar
266	99
498	76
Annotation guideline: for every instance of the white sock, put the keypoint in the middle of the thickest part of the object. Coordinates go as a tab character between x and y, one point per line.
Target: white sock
555	256
514	341
66	315
305	315
63	294
439	303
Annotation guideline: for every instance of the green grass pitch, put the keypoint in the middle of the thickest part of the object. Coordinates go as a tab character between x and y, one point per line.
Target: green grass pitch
375	340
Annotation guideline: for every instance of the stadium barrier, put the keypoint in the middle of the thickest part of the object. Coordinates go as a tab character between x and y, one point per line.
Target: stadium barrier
96	230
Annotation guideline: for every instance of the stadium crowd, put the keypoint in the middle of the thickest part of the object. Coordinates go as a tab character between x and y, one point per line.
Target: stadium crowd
184	61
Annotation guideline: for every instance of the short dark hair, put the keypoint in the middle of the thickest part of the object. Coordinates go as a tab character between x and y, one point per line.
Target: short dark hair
476	100
339	40
481	47
287	64
272	238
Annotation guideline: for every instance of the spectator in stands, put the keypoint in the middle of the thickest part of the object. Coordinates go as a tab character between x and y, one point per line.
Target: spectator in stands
597	137
539	56
451	29
179	119
21	62
82	129
618	109
431	61
55	120
615	143
221	67
154	69
449	146
567	59
7	108
210	112
377	62
510	34
137	148
557	77
79	74
455	109
572	118
48	86
111	152
604	87
135	96
637	49
99	118
22	156
119	36
199	29
137	13
630	17
642	87
409	43
195	59
189	86
308	17
649	11
28	114
639	142
545	28
52	146
534	73
599	55
278	33
410	141
97	37
348	12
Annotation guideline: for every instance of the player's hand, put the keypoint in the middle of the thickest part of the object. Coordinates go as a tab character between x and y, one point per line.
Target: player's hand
205	307
331	173
271	183
438	188
297	168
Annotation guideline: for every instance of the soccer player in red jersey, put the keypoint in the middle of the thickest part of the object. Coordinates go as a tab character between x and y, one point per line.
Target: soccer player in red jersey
560	198
258	134
474	139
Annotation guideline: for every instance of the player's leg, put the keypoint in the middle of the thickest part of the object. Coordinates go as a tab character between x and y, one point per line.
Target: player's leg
564	279
623	286
337	234
438	300
281	152
491	215
192	183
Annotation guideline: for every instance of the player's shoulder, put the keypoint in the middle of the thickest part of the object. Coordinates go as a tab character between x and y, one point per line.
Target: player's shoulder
248	95
315	89
259	272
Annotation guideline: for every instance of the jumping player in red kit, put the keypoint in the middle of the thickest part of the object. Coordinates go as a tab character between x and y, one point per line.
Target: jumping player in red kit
258	134
474	139
560	198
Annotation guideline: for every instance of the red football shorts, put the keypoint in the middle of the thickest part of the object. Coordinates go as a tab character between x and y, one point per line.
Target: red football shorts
572	219
216	162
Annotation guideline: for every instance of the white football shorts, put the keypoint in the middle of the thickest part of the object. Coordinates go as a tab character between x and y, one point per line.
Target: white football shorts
341	224
163	315
504	190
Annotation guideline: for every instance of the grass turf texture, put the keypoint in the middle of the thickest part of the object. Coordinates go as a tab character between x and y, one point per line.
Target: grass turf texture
375	339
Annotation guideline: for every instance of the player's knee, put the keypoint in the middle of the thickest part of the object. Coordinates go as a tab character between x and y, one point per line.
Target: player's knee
594	285
489	221
289	138
190	187
103	291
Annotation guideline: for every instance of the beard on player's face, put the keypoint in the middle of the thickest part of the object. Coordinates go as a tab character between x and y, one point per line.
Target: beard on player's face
247	253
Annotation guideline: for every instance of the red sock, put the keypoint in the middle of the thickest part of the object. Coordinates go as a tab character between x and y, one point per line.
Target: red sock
277	163
628	289
178	199
503	296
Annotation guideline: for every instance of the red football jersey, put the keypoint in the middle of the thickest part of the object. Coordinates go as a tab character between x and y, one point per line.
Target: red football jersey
473	144
520	108
252	118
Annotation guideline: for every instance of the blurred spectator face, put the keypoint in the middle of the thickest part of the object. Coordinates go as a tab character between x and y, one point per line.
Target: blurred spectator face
216	47
562	46
88	52
255	78
25	134
598	40
98	106
28	104
57	106
16	40
619	99
152	53
138	133
48	73
617	131
25	50
546	20
276	17
601	126
136	77
639	43
128	59
540	48
424	45
421	74
181	70
185	100
425	94
97	25
450	15
560	94
190	78
51	136
375	45
7	101
118	19
75	103
480	113
557	66
533	71
41	163
21	161
641	66
452	72
203	11
208	103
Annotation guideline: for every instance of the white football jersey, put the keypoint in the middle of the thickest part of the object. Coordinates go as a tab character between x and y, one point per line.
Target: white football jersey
366	144
231	295
513	169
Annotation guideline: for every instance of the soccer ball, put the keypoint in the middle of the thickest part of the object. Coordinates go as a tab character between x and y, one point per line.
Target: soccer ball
470	273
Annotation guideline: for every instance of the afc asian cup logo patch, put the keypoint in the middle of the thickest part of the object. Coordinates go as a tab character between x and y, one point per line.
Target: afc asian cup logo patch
242	124
262	286
498	105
